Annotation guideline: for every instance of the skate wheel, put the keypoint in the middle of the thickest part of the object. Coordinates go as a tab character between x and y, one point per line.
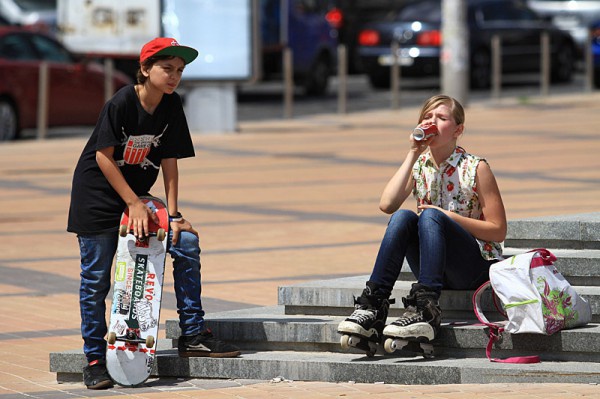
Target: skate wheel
353	341
160	234
372	349
149	341
123	230
428	352
112	337
344	341
389	346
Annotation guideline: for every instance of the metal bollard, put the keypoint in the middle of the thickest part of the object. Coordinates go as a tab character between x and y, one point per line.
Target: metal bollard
589	64
109	71
395	75
496	67
545	64
288	72
342	79
42	110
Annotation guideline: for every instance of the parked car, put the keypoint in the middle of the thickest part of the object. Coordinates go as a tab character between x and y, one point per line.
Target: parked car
76	87
573	16
417	28
351	16
311	37
595	35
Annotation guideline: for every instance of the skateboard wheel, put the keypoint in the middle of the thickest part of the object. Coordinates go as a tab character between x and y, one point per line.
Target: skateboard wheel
389	346
344	341
149	341
112	337
160	234
123	230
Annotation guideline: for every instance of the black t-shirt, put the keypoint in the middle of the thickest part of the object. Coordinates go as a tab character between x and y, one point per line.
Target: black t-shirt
140	142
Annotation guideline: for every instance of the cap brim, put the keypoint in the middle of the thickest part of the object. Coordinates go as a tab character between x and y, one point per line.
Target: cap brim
187	54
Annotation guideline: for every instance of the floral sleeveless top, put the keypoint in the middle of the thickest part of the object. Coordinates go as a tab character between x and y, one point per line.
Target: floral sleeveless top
452	187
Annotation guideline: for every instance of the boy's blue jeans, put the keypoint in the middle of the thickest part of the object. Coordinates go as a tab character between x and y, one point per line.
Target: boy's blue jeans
440	253
97	255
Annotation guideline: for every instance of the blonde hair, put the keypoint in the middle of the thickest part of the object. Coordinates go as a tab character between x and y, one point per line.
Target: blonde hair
457	110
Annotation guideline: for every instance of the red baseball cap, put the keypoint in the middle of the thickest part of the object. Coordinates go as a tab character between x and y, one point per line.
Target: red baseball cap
167	46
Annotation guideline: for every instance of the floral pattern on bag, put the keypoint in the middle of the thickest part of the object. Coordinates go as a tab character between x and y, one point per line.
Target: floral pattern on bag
557	307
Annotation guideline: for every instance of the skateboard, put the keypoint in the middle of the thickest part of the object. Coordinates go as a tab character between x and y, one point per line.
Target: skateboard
425	348
137	292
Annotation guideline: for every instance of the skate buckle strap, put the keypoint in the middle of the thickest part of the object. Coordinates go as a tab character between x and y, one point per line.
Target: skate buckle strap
495	332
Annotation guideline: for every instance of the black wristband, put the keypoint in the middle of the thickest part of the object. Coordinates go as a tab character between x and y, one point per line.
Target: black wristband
176	218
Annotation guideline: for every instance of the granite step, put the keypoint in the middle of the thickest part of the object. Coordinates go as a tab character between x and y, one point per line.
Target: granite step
270	329
336	367
336	297
579	231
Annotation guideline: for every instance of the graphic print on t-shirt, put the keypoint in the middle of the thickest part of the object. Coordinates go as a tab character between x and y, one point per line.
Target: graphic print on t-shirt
137	149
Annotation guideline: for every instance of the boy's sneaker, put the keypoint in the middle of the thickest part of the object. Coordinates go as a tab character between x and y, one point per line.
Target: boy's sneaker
205	345
95	375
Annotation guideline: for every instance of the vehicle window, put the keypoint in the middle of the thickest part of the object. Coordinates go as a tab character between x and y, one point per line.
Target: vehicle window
424	11
15	47
49	50
524	13
507	12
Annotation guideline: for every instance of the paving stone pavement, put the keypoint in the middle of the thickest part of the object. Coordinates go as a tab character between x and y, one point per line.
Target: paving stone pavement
280	202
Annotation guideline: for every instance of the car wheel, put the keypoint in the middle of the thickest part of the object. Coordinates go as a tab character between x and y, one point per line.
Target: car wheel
317	80
563	66
597	78
8	120
481	70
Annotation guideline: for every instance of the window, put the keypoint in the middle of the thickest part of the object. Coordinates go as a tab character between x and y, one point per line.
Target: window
15	47
49	50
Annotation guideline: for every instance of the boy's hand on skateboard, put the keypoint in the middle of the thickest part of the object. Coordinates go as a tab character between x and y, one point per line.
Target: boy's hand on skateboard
182	225
139	214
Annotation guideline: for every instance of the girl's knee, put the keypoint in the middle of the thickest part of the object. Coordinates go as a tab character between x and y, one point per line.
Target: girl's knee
403	218
432	214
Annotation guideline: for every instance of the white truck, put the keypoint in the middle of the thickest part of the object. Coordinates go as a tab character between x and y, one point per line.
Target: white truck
223	32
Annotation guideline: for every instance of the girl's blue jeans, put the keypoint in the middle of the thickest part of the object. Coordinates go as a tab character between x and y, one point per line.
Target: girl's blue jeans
97	254
440	253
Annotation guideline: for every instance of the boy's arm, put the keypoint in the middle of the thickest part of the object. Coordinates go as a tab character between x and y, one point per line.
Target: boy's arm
138	211
171	179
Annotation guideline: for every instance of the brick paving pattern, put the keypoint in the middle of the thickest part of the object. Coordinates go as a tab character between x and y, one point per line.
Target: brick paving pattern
282	202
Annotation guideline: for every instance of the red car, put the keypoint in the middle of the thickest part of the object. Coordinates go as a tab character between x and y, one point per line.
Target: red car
76	88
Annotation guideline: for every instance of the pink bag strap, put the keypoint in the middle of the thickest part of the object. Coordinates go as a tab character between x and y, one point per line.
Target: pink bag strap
495	331
545	258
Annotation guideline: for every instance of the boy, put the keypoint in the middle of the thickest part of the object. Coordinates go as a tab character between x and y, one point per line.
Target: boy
141	129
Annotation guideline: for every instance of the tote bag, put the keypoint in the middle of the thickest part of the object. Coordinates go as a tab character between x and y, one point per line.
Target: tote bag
535	297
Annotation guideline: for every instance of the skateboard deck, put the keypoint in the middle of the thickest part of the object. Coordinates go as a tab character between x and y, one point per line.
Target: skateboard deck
134	317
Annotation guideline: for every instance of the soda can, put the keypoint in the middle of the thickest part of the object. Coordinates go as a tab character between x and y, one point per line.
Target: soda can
421	133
